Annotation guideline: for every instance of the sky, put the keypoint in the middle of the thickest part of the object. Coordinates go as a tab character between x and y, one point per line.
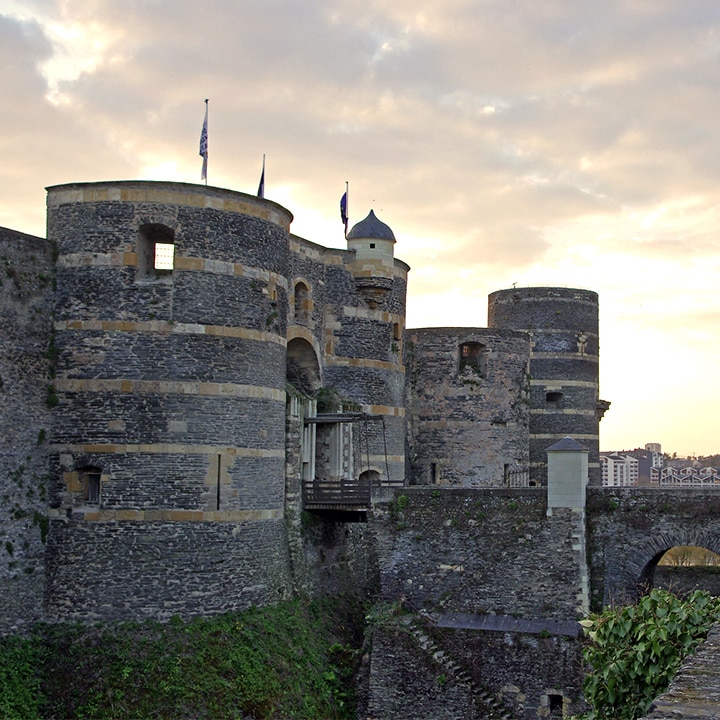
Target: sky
506	142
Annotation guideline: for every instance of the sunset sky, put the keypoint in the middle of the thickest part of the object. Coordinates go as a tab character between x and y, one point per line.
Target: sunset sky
561	142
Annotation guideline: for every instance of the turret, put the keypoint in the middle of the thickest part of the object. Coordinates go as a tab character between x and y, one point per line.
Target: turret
373	268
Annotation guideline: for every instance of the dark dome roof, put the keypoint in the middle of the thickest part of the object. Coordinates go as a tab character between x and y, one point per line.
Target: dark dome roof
371	227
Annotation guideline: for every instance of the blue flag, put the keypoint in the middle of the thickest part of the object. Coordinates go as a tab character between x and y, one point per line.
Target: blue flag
344	210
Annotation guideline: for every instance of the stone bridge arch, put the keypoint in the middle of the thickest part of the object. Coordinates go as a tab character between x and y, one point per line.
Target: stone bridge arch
630	529
641	571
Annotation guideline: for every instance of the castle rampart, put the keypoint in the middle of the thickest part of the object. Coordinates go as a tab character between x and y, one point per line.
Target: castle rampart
26	351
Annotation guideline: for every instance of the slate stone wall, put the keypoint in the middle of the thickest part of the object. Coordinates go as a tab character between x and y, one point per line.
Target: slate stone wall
139	570
26	306
467	427
532	673
563	323
456	554
684	580
479	551
405	684
693	692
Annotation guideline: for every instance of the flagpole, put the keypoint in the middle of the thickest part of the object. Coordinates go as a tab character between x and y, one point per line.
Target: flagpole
261	186
207	113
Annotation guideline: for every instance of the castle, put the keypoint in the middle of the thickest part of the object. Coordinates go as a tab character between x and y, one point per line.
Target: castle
183	377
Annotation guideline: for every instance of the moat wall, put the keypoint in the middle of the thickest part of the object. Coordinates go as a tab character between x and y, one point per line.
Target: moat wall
26	302
471	558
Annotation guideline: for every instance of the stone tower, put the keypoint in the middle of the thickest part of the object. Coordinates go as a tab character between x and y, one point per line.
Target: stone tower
468	406
564	399
167	445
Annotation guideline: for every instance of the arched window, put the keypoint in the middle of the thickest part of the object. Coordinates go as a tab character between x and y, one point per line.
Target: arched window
302	303
155	251
370	479
472	359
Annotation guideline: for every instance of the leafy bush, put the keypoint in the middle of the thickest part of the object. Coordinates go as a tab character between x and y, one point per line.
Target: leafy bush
635	650
20	694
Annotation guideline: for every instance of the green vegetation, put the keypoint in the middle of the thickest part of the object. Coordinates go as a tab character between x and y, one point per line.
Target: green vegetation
635	650
20	691
51	398
293	660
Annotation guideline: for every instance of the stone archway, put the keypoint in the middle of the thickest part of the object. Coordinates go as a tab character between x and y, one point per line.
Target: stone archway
641	570
303	369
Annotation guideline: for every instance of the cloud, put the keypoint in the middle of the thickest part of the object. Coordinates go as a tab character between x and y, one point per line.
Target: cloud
571	143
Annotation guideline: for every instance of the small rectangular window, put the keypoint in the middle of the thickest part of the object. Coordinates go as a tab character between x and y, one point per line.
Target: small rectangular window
555	705
554	398
91	485
155	252
472	359
164	256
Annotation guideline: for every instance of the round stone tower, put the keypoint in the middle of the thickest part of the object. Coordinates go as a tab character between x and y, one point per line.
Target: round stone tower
564	400
168	439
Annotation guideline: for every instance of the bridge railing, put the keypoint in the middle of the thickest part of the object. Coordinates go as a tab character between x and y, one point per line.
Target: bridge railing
322	493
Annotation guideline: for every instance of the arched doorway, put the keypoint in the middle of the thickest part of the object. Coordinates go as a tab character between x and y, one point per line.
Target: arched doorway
303	369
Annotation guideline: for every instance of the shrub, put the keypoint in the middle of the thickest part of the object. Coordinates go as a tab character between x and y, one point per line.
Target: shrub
635	650
20	694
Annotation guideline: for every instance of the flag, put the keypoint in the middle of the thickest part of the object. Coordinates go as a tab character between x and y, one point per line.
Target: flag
204	145
261	186
343	210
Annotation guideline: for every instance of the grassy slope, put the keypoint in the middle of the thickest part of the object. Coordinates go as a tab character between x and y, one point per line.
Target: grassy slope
294	660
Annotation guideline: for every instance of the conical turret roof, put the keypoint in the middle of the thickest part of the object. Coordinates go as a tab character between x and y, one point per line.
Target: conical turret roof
371	227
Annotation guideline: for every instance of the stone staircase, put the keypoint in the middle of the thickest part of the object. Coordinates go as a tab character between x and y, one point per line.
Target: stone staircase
488	706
